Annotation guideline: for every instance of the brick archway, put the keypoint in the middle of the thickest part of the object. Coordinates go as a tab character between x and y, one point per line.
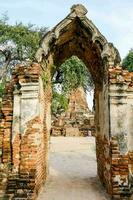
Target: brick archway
26	119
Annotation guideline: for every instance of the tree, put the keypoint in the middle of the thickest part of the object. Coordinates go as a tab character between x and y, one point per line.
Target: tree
18	43
73	73
1	89
128	61
69	76
59	103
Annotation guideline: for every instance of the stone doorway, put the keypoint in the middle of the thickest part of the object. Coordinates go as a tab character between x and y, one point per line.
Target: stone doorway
77	35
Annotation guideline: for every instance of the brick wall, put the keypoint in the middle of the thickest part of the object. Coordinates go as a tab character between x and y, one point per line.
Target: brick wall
23	156
104	162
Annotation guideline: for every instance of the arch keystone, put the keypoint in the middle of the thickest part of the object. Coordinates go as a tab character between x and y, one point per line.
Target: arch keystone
79	10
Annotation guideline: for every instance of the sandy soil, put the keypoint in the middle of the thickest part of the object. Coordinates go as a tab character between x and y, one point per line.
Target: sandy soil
73	171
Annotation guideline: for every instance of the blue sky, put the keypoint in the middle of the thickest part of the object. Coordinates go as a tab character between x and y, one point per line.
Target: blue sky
114	18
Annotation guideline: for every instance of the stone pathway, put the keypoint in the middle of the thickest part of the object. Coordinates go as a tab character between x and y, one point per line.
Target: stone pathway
72	173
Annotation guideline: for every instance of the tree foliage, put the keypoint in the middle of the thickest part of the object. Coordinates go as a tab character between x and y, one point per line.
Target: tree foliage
1	89
59	103
72	74
18	43
69	76
128	61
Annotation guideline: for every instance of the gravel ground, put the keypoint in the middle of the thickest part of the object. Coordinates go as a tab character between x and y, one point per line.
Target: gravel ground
73	171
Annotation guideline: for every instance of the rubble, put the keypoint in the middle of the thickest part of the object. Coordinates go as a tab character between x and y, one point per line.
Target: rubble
78	120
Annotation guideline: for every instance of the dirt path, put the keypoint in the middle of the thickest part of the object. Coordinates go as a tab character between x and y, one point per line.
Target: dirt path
73	173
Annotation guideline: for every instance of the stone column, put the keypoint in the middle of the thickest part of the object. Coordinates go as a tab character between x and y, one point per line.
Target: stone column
27	113
29	103
130	118
118	143
130	133
118	114
26	109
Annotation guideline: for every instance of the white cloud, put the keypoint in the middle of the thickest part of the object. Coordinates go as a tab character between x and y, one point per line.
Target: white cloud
117	26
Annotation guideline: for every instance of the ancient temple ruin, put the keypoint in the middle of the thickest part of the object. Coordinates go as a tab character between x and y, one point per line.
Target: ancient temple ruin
77	120
26	119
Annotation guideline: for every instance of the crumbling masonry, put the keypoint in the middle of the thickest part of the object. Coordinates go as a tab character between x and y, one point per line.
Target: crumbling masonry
77	120
26	119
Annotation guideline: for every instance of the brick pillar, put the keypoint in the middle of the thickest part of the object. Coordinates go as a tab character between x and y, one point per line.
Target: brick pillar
120	92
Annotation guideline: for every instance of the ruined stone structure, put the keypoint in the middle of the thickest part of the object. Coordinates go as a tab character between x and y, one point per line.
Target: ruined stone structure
77	120
26	120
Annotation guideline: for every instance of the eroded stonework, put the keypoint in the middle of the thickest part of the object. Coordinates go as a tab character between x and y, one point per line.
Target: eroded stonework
77	120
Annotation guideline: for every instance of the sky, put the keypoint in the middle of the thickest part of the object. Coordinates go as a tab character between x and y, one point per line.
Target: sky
114	18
